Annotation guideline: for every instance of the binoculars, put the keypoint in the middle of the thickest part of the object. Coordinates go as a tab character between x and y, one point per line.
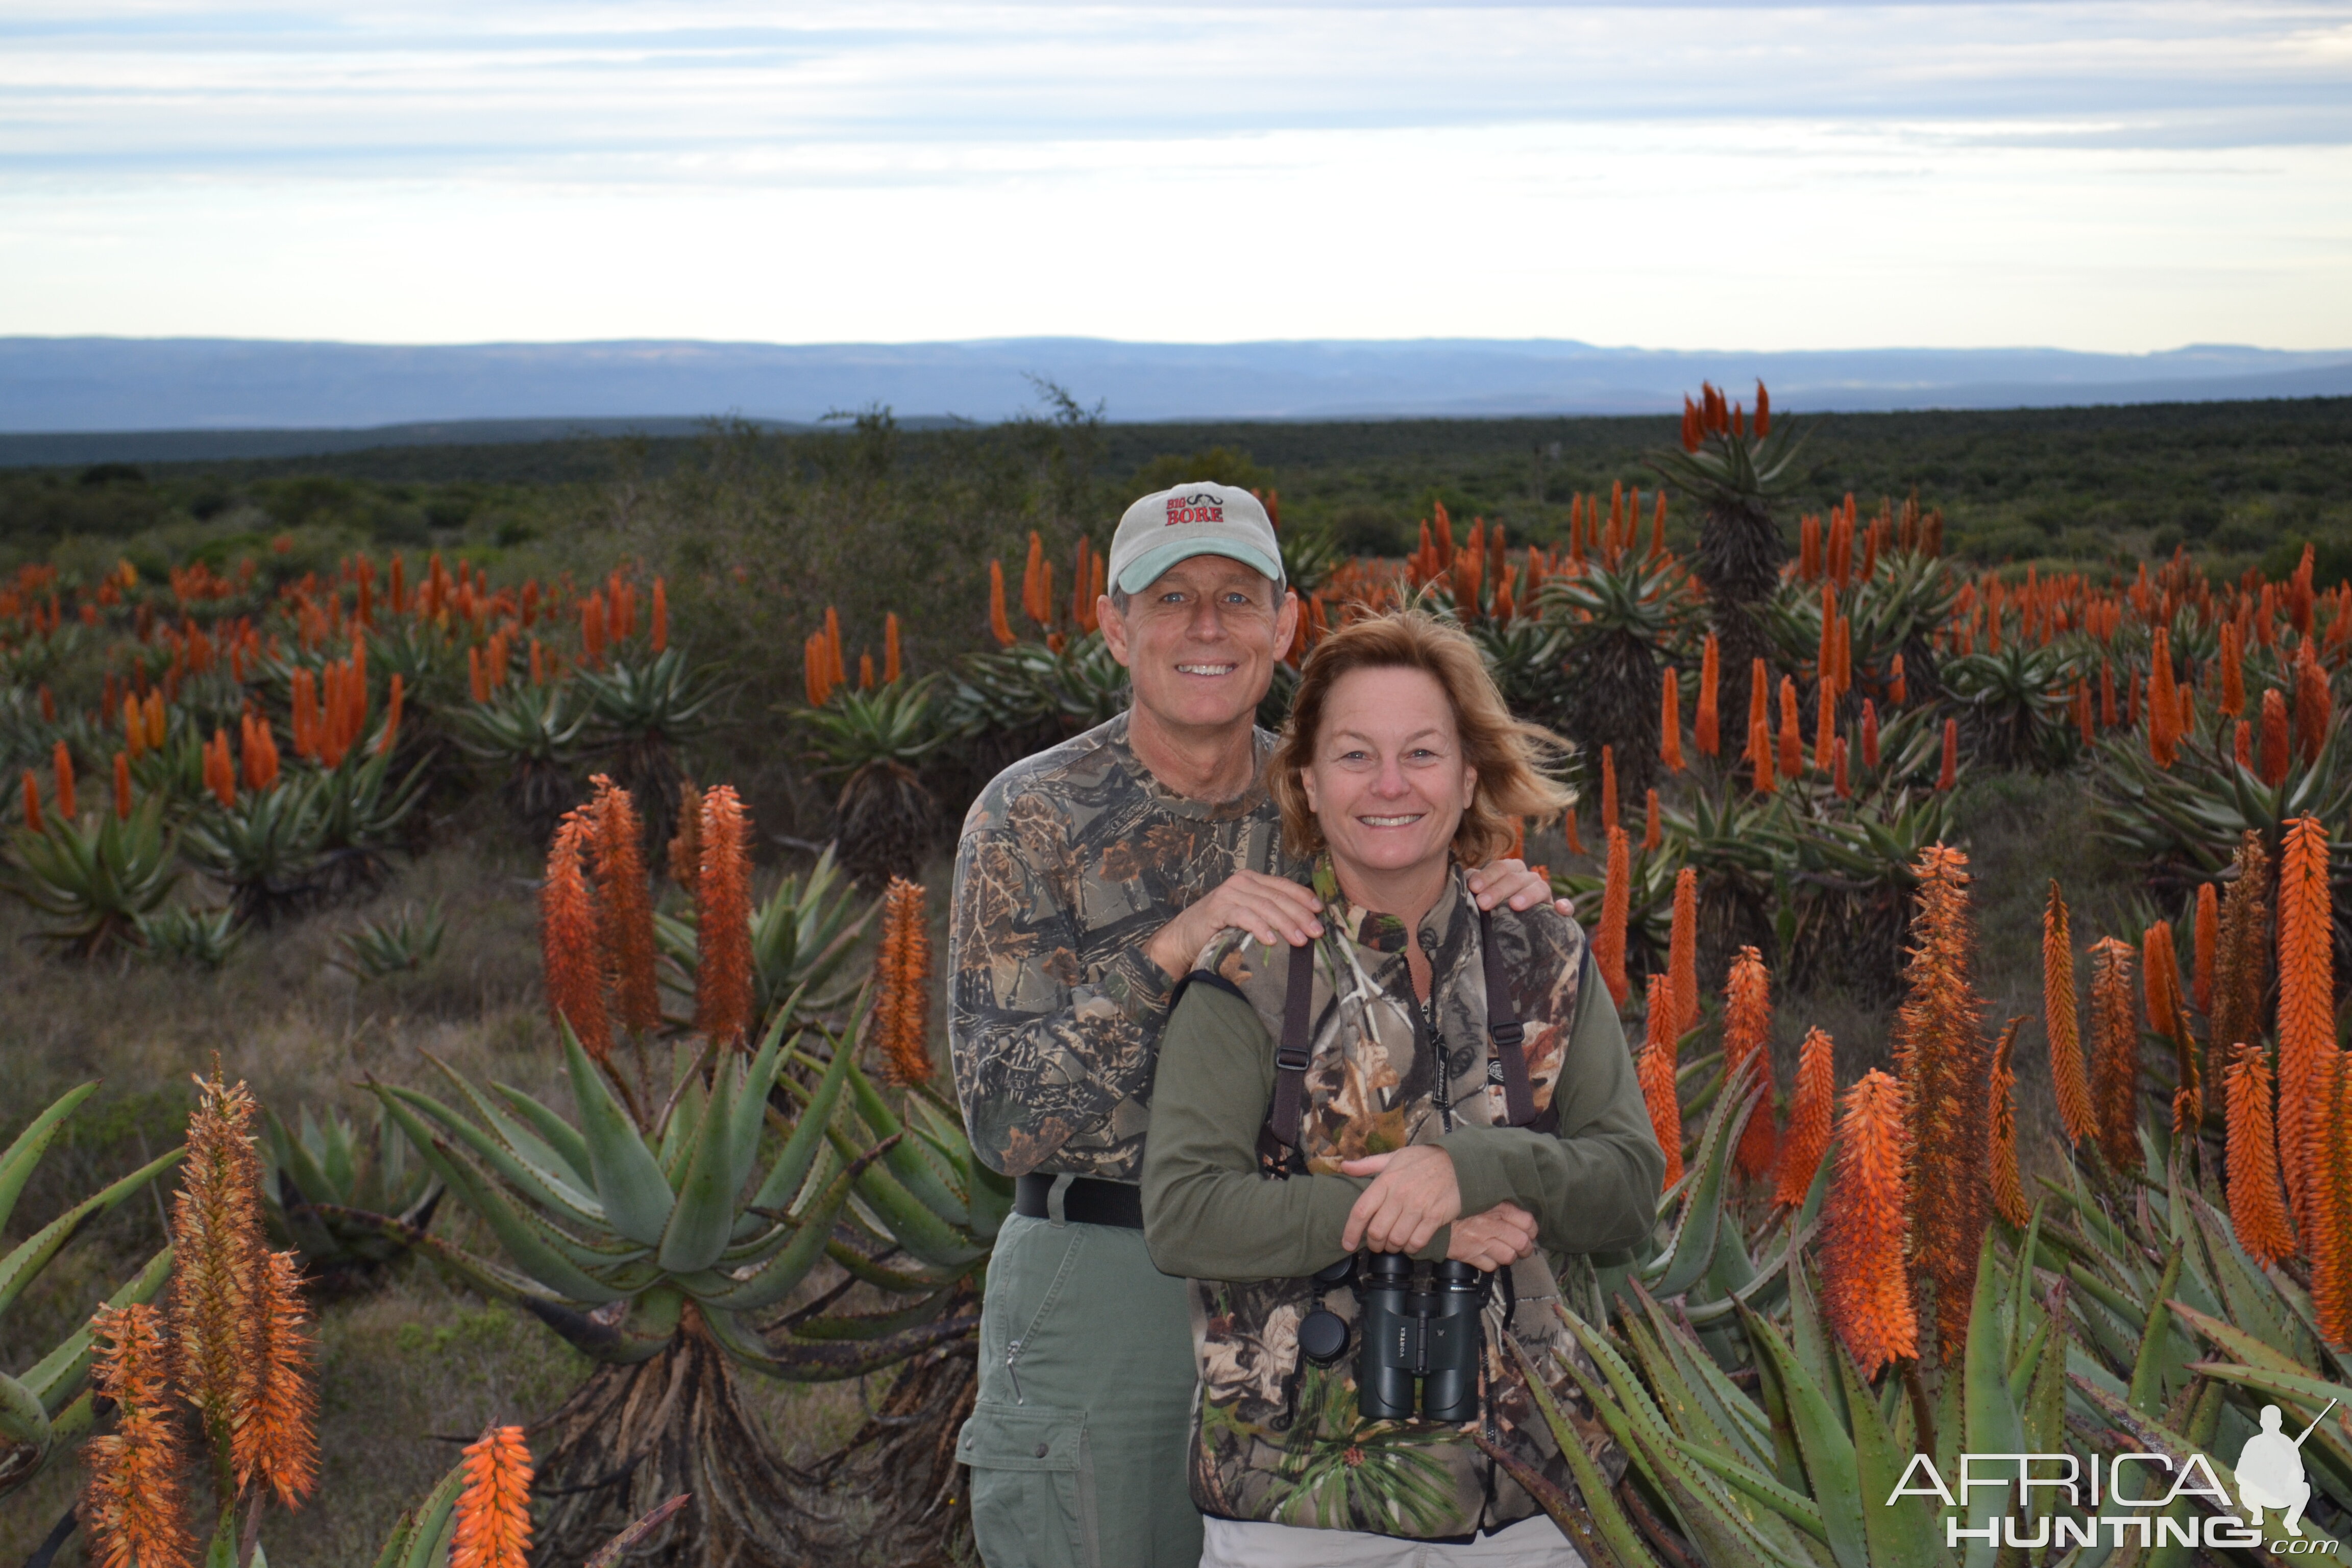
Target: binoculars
1418	1351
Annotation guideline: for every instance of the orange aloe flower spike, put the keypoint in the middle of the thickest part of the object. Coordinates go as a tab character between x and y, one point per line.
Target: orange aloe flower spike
2257	1199
1747	1037
272	1444
625	911
567	926
2061	1023
2306	1014
494	1510
1705	731
722	898
1654	1068
2331	1266
1810	1111
1792	740
134	1507
903	985
1609	787
661	616
2008	1190
1945	1074
1865	1293
892	667
61	765
1670	722
2115	1052
1681	952
217	1248
1608	942
999	626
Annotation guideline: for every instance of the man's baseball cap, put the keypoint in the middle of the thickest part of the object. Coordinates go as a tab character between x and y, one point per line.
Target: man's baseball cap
1200	519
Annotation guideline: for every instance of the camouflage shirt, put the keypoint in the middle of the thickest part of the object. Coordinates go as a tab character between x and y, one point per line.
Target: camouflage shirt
1070	863
1277	1439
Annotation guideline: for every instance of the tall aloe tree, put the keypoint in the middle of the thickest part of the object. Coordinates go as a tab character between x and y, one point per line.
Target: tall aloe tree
1734	469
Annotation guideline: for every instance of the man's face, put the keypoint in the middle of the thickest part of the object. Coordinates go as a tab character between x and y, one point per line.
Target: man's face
1200	642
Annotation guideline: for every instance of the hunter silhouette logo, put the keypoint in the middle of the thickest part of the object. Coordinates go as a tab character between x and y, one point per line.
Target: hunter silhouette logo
1204	507
2270	1471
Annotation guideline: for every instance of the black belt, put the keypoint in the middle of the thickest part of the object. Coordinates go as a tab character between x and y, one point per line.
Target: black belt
1089	1200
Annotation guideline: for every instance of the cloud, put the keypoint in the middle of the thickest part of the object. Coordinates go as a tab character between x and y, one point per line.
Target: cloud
2116	175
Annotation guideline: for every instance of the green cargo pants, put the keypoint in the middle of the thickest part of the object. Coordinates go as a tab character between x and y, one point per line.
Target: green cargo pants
1079	1440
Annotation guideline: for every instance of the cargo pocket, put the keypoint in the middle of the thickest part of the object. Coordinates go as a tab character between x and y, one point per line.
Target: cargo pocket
1033	1494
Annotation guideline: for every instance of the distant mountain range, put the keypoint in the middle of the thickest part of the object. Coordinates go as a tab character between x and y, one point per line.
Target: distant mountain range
223	384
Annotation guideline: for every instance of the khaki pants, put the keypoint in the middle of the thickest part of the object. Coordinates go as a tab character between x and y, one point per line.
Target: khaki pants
1078	1447
1531	1543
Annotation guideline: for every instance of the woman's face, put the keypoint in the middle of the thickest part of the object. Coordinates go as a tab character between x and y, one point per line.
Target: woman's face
1386	779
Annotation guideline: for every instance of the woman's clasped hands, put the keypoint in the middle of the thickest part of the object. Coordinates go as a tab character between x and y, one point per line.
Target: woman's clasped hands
1413	1192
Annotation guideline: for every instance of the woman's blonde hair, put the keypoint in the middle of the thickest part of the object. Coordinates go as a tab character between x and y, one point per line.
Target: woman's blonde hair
1509	754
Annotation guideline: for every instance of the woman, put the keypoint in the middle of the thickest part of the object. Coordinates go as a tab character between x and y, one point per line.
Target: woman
1416	1130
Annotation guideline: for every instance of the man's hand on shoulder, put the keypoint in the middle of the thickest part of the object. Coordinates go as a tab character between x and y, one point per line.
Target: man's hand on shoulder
1510	882
1267	907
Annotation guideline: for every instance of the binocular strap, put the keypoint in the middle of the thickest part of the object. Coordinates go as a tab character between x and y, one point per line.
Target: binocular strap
1277	1139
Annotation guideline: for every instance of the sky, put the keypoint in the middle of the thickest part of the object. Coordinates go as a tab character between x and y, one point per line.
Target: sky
2116	177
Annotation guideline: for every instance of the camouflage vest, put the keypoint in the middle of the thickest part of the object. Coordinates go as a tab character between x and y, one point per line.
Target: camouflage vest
1279	1440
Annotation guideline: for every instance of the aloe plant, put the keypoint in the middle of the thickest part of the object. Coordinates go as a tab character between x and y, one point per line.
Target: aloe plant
662	1250
46	1408
2097	1329
329	1188
533	735
98	878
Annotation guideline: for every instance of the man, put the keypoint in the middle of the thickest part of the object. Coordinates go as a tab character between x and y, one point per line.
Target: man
1089	879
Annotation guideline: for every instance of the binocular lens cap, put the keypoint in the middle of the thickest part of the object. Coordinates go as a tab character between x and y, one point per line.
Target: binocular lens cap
1322	1336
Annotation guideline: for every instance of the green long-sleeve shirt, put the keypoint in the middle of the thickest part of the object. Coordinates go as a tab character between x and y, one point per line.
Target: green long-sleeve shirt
1209	1214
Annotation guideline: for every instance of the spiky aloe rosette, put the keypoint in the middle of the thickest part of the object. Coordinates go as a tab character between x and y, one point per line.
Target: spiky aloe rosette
675	1223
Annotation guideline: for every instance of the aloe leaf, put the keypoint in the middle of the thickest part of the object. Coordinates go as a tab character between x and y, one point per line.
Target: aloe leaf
545	1164
1900	1529
435	1525
1822	1442
912	1171
871	1325
25	1152
1987	1413
294	1159
910	1223
629	1184
24	1425
828	1361
1593	1545
20	1268
776	1278
808	1136
538	1183
898	1281
2157	1353
749	1113
643	1332
1762	1488
532	1251
705	1210
2244	1295
1692	1250
553	1131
